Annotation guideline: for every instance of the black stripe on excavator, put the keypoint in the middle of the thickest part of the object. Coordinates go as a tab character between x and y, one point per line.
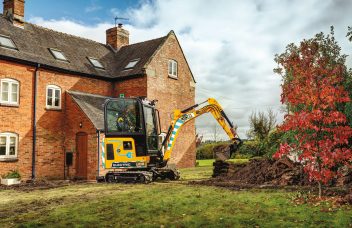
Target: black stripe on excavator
190	108
227	119
110	151
167	135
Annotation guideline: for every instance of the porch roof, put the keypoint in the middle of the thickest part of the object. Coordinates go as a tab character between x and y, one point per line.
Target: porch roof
92	105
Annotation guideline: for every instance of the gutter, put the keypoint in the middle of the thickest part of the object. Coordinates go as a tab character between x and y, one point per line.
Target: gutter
36	74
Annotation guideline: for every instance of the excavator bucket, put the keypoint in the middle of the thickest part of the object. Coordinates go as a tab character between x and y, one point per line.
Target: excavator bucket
224	152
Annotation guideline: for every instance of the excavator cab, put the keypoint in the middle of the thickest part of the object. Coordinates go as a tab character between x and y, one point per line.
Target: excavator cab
132	129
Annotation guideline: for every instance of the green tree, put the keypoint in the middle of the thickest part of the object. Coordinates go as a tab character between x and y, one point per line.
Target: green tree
261	124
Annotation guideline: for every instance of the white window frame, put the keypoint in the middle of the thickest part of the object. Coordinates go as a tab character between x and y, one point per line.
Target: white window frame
52	105
10	82
9	135
174	65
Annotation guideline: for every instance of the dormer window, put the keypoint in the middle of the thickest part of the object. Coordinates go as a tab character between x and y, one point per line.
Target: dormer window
96	63
132	64
7	42
172	68
59	55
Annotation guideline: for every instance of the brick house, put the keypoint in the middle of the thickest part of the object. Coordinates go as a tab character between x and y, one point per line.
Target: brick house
53	86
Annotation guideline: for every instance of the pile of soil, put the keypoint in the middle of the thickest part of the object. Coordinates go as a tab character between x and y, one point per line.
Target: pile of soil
282	172
270	173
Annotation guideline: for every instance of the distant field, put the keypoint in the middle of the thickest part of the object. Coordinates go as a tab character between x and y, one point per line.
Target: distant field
168	204
209	162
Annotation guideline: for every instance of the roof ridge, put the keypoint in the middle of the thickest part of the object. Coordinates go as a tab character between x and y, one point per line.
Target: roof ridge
162	37
83	38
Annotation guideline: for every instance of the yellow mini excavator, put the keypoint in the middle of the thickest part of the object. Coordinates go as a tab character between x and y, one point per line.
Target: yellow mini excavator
134	149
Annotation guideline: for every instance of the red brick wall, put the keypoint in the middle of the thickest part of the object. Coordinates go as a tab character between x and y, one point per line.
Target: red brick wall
50	126
19	119
50	123
173	94
133	87
75	117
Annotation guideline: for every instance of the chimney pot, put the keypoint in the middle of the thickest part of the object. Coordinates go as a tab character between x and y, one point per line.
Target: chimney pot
14	11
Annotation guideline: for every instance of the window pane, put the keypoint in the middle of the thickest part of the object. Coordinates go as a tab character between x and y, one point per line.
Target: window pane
5	91
57	93
57	98
131	64
151	130
58	55
57	102
96	63
170	67
50	92
14	95
4	96
2	145
49	100
12	146
5	87
6	42
123	116
174	70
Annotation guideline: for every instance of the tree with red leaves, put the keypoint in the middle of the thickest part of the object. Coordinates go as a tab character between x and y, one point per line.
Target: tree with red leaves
314	75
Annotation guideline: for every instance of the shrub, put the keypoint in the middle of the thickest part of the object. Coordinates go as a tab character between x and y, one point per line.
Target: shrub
205	151
12	174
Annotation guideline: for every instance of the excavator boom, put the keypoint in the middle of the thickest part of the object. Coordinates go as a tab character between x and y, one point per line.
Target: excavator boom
184	116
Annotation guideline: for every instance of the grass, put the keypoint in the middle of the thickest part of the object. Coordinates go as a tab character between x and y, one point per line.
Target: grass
209	162
169	204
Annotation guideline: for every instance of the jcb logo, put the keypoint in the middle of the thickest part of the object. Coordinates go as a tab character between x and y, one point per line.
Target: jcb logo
186	117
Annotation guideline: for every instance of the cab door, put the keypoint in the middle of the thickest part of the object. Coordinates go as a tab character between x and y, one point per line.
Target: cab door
151	129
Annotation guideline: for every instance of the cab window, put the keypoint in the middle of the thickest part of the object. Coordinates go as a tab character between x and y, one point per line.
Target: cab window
151	128
123	116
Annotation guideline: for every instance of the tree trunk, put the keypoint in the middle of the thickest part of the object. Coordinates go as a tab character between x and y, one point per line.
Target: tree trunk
319	188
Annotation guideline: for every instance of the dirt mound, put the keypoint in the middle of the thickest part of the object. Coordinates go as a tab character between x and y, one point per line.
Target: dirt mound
282	172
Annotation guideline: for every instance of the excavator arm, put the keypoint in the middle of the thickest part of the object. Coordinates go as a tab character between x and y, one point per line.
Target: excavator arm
184	116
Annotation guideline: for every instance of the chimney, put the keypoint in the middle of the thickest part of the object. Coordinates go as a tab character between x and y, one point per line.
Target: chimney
14	11
117	37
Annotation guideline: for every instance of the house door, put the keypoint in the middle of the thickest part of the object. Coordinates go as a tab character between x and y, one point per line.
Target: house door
81	155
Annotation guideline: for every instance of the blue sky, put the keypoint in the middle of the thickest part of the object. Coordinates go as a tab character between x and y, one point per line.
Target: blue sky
229	44
84	11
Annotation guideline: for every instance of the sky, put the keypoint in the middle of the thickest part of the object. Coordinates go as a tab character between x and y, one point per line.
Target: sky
229	44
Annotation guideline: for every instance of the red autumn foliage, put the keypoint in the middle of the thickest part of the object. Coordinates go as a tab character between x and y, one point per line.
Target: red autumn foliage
313	90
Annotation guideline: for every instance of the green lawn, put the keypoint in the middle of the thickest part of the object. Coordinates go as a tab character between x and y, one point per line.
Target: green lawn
169	204
209	162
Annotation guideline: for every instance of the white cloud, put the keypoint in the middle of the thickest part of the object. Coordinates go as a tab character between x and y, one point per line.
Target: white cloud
92	7
230	45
